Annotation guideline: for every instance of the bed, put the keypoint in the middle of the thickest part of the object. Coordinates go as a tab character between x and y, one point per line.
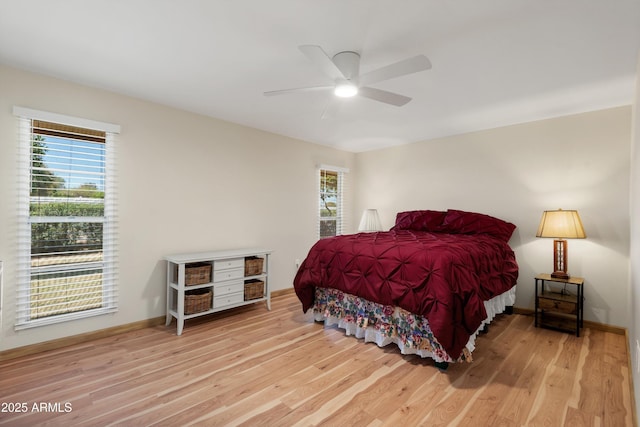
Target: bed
430	284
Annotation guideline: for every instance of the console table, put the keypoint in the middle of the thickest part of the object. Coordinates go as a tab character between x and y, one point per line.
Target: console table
202	283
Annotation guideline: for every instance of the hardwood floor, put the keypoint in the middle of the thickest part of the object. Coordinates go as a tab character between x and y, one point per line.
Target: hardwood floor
252	367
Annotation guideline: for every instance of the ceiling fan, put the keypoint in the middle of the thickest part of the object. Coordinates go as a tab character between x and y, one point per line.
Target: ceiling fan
344	70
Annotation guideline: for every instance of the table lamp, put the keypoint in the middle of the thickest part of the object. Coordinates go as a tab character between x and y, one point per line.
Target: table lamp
560	225
370	221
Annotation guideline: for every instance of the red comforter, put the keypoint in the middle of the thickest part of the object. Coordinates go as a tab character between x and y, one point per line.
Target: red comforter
444	277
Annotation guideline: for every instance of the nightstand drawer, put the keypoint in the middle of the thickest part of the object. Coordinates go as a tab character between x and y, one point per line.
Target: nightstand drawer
557	305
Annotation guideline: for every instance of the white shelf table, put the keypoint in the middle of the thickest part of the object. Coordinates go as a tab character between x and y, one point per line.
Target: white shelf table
227	281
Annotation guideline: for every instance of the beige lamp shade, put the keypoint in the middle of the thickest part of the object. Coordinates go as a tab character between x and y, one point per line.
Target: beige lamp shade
370	221
561	224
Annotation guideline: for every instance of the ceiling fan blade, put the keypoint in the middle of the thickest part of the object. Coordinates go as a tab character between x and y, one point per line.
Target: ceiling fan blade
401	68
322	60
383	96
295	90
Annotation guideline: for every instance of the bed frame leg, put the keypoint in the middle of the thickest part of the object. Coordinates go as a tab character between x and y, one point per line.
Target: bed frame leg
485	329
508	309
442	366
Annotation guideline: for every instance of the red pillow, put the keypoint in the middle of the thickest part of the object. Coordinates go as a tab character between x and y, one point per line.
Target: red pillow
461	222
419	220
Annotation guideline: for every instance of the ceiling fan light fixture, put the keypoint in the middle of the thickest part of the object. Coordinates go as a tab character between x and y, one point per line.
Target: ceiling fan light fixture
344	71
346	90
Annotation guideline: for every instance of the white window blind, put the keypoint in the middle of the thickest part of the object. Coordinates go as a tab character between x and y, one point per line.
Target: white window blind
67	243
331	201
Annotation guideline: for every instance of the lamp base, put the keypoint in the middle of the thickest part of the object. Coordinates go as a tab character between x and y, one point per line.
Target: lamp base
560	275
560	259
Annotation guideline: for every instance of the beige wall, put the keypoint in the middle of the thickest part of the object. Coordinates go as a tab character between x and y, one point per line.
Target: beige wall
577	162
186	183
634	300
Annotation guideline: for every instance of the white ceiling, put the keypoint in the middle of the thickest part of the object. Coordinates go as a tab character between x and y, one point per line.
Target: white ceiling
495	62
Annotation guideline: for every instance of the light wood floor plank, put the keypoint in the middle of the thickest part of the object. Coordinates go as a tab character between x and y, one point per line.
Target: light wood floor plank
251	366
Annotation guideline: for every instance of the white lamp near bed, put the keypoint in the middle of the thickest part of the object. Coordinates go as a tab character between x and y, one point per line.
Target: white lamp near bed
370	221
560	225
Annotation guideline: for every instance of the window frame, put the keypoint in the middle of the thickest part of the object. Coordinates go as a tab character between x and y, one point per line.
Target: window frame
108	264
340	200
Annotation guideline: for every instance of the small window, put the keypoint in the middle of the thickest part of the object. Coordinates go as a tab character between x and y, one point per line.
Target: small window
67	248
331	206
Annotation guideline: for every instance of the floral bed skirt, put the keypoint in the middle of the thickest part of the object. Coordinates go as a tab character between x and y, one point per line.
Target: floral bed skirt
385	324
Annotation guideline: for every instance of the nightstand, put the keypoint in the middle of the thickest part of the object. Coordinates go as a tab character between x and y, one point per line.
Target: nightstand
559	303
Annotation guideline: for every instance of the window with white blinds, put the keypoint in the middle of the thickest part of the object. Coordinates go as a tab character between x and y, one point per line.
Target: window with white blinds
67	219
331	212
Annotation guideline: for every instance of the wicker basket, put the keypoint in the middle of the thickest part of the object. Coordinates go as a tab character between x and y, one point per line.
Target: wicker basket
253	289
197	301
253	266
197	273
